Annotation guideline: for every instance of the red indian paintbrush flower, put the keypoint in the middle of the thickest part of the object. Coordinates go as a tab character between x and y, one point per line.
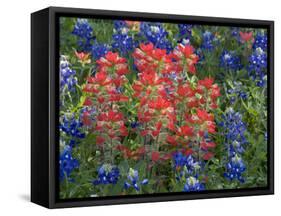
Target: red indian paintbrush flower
88	102
149	58
171	140
155	155
206	145
156	132
100	140
246	36
185	131
159	104
101	78
206	120
207	82
110	77
185	91
185	58
148	80
83	57
113	63
86	119
111	116
215	92
131	154
134	25
169	103
208	155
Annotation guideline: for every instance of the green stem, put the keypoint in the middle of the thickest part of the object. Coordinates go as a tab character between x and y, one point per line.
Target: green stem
111	146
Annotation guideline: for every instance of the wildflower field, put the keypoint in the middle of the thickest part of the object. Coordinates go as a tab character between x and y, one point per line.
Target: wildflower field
149	107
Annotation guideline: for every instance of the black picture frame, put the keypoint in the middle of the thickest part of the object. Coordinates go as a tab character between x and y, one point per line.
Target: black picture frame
44	106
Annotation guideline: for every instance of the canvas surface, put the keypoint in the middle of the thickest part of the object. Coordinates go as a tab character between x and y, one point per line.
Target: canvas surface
148	108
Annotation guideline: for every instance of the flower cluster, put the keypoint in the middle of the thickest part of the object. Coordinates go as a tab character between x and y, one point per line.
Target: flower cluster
260	41
208	41
155	111
84	32
185	58
83	58
107	174
257	60
156	34
133	180
72	128
134	154
67	76
234	132
236	91
235	33
193	184
229	60
187	169
258	66
185	31
71	134
121	40
105	86
99	50
246	38
235	140
165	93
235	167
196	121
67	163
104	95
181	160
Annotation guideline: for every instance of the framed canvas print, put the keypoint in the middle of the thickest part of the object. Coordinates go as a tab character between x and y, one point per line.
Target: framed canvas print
139	107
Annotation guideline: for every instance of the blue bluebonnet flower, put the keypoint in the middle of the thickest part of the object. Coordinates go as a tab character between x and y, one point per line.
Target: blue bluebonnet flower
235	169
173	76
265	136
236	91
258	67
107	174
119	90
208	40
156	34
193	184
185	167
135	124
230	61
235	140
67	163
71	126
68	80
234	132
121	40
119	24
185	30
207	137
84	32
200	54
133	180
180	161
90	109
243	95
99	50
260	41
123	43
235	33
